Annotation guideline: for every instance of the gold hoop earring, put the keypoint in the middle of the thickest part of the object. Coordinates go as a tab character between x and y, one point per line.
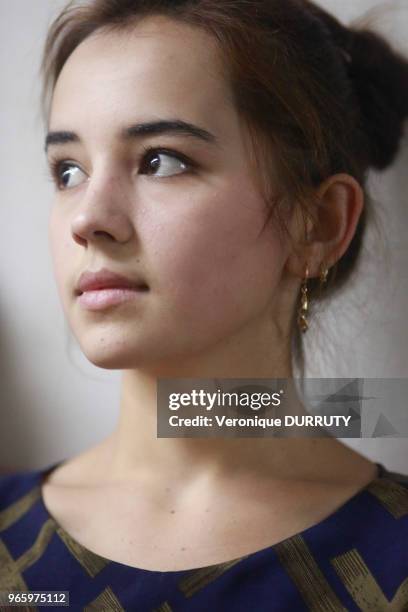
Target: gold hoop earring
304	305
323	274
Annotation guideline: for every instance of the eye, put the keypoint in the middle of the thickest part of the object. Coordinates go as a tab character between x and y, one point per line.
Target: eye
163	163
67	174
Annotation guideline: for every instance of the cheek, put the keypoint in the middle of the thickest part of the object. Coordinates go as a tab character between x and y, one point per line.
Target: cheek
213	264
61	248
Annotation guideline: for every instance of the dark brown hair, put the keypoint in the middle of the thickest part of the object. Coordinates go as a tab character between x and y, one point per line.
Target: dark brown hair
328	98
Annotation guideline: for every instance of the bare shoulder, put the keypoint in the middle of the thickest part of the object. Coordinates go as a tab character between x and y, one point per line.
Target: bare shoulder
82	470
72	491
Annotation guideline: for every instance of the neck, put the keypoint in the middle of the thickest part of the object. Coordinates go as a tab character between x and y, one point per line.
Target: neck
135	451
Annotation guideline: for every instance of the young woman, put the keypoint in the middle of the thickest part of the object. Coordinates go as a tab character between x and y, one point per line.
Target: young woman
213	155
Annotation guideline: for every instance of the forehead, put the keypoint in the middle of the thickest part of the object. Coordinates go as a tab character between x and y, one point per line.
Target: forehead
159	66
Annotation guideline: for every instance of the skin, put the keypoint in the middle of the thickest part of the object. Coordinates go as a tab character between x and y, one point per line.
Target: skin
220	301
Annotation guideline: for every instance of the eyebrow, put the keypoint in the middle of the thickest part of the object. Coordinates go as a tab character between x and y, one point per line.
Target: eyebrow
141	130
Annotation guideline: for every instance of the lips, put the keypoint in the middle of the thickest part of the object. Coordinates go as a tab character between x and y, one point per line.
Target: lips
106	279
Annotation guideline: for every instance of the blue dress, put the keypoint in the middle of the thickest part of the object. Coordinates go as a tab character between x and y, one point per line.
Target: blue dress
355	559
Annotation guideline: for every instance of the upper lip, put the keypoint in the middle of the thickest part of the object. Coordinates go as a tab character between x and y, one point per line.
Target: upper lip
105	279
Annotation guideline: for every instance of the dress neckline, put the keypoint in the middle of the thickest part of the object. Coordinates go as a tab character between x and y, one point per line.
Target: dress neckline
42	473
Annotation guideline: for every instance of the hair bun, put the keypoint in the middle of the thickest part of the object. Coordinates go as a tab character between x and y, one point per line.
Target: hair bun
380	81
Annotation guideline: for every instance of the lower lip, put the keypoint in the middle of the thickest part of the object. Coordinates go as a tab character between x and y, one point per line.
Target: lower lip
100	299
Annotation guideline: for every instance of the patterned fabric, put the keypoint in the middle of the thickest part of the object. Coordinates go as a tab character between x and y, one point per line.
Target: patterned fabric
355	559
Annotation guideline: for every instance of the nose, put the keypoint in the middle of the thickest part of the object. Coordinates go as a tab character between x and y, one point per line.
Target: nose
104	212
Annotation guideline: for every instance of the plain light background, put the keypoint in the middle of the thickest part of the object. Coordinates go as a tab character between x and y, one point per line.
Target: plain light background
54	403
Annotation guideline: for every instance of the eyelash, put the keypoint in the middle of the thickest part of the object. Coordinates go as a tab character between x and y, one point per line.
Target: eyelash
56	164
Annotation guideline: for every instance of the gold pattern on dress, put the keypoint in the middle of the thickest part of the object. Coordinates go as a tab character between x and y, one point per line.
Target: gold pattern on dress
392	495
106	602
91	562
165	607
36	551
363	587
11	570
10	576
16	510
298	561
198	579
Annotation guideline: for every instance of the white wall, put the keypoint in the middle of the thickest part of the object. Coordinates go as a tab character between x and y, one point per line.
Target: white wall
53	402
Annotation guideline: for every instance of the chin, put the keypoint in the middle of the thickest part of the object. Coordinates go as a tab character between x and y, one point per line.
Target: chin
111	353
121	352
114	359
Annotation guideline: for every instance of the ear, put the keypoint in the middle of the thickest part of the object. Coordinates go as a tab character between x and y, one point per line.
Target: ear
340	202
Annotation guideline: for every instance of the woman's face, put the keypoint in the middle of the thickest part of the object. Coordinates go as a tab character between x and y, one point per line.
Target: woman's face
187	220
